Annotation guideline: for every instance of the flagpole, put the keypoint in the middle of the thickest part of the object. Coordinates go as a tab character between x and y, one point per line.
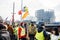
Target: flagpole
21	8
13	13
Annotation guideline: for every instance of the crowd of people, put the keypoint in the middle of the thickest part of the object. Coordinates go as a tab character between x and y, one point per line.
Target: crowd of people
27	31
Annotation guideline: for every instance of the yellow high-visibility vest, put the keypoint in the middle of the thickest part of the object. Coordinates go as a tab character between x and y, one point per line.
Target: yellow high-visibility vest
15	30
39	36
22	31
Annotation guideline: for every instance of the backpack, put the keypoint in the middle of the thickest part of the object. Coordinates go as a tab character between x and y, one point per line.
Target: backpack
4	35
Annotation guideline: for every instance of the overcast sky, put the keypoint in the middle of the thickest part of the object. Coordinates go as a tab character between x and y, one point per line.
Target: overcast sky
6	7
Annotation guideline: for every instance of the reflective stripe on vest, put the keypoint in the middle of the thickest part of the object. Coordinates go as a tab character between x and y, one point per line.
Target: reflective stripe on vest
39	36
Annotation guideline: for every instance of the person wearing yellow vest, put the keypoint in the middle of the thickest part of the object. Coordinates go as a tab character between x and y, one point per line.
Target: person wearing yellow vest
21	32
41	34
32	31
15	32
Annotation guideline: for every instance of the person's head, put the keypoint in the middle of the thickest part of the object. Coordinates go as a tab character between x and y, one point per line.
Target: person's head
32	24
2	27
7	24
40	29
43	25
1	20
25	24
21	24
55	31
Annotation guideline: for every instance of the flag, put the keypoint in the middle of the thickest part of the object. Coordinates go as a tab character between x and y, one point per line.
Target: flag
25	15
20	12
25	12
6	18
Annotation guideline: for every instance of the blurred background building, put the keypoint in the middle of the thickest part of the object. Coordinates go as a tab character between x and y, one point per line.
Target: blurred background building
45	16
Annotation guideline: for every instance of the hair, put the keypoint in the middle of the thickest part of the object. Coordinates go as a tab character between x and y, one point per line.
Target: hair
2	27
40	29
25	24
21	24
56	31
7	24
32	24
